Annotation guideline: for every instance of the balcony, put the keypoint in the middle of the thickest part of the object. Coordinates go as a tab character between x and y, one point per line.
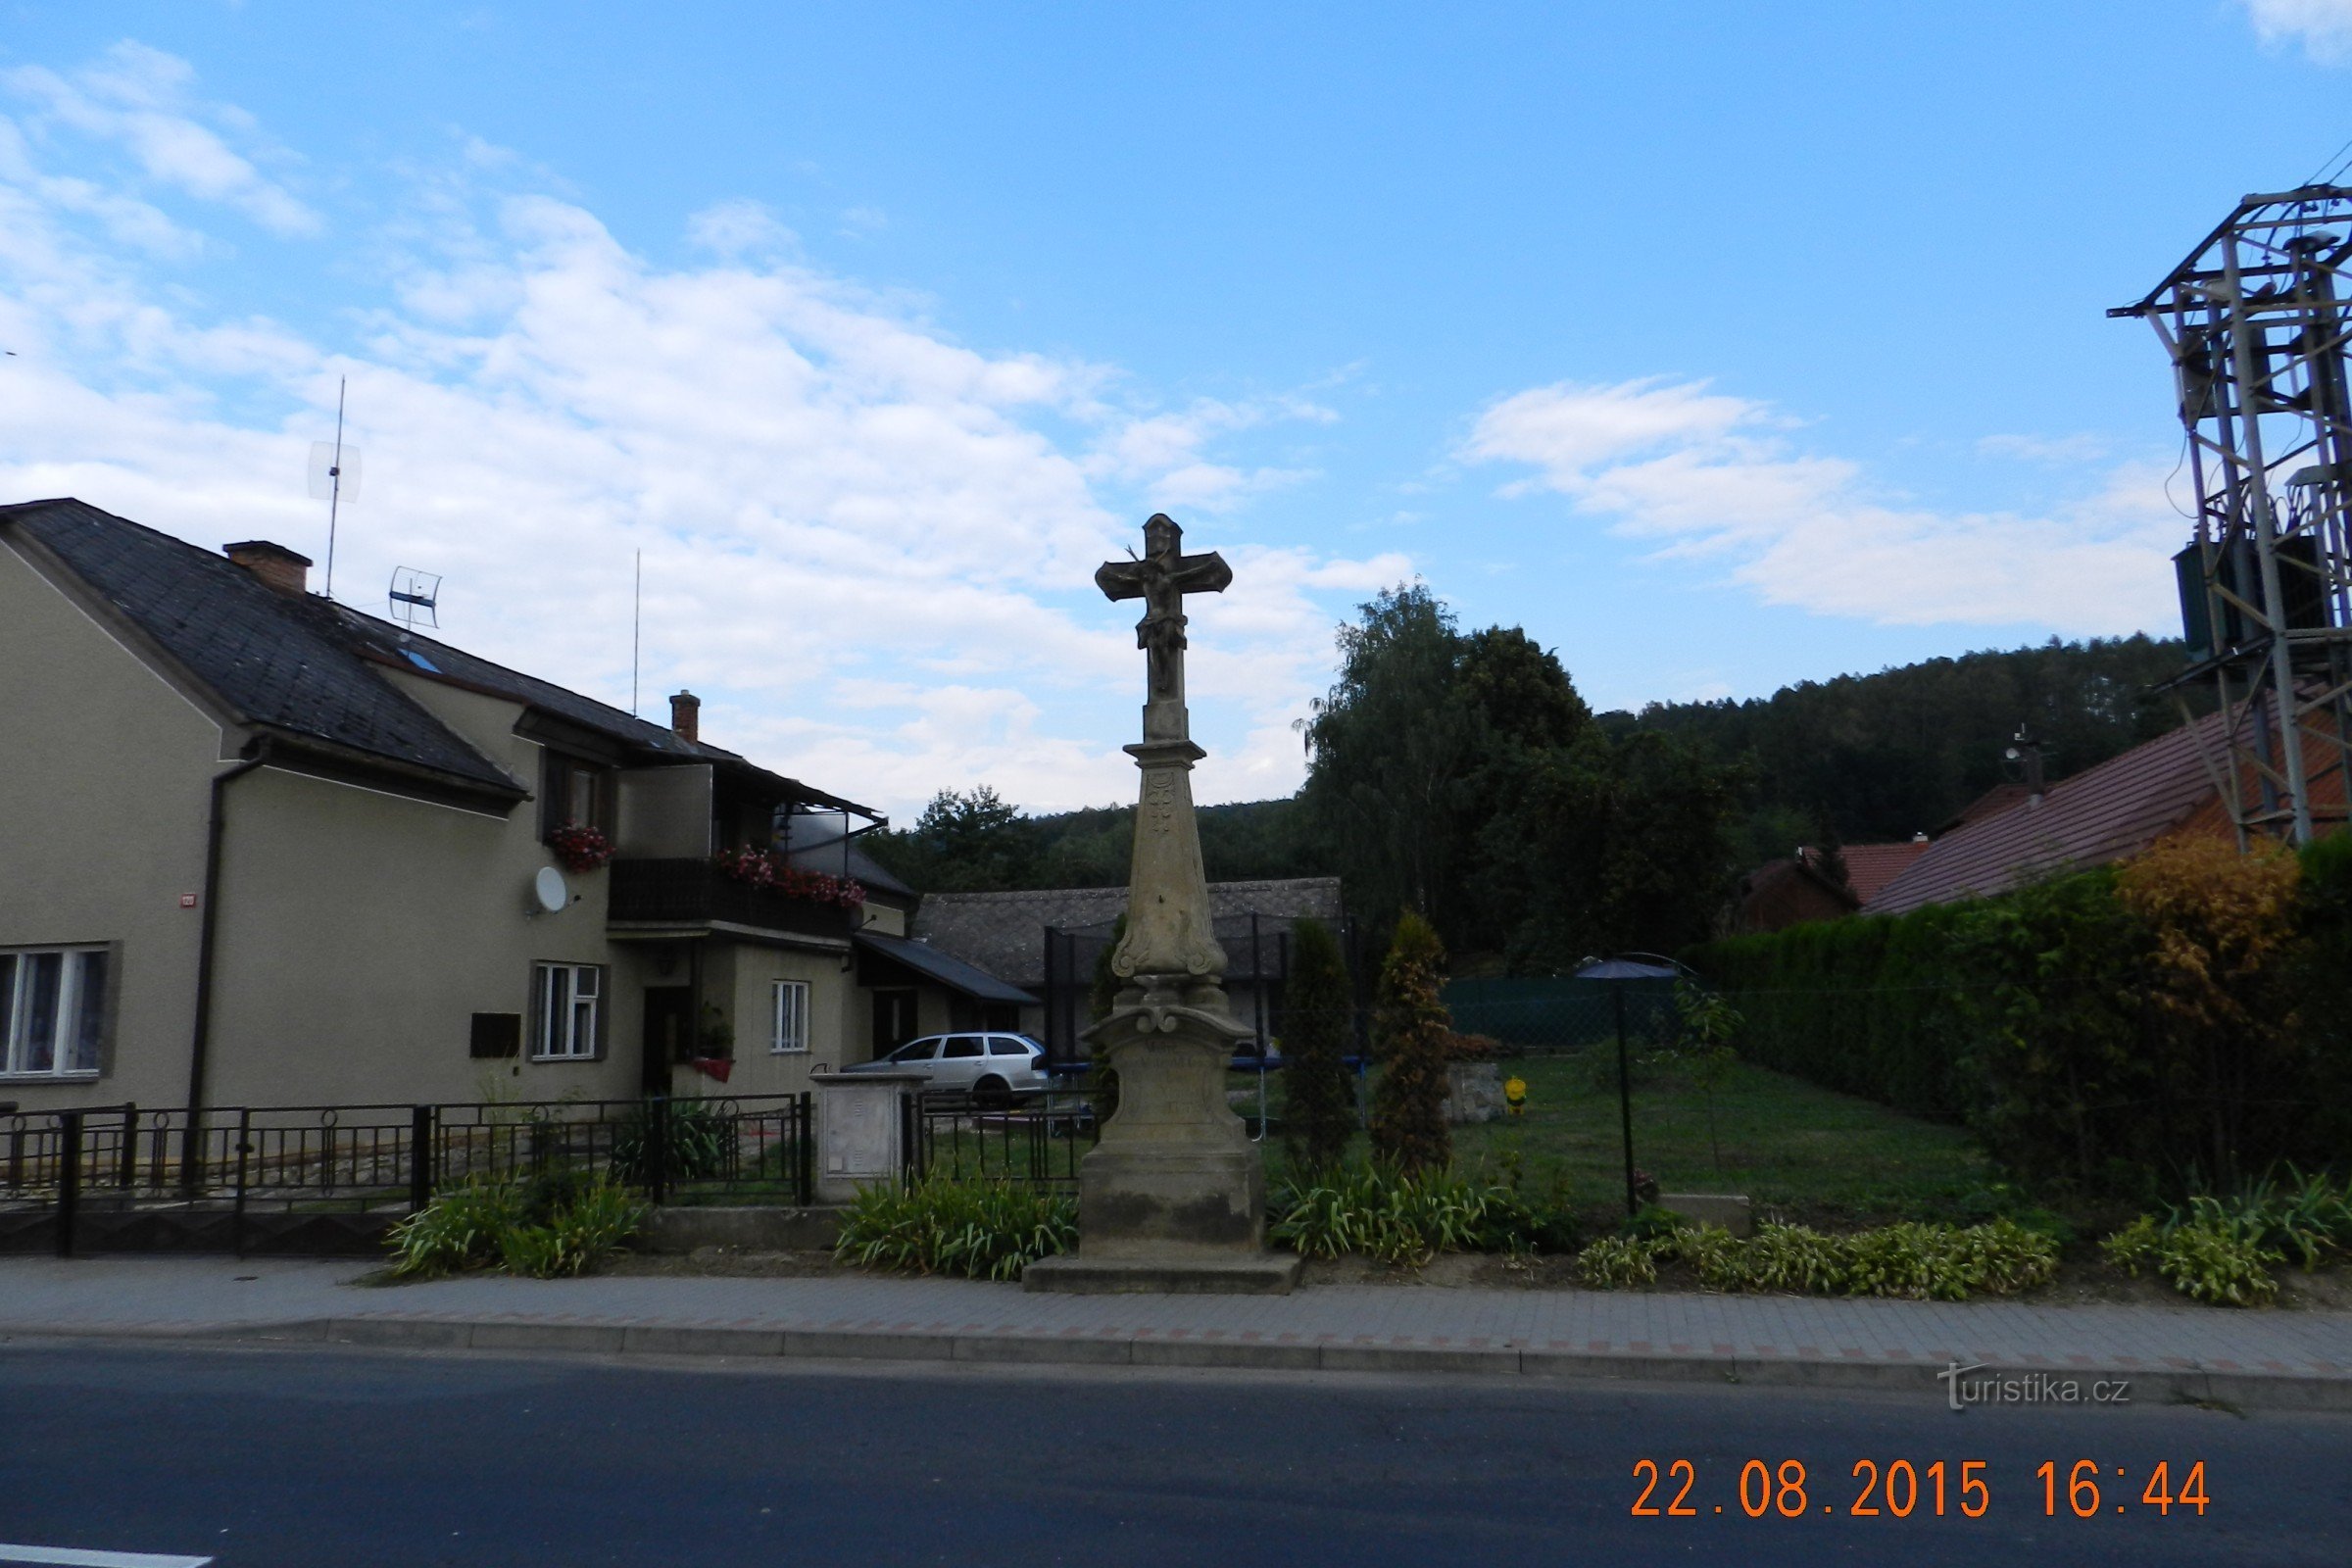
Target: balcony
676	897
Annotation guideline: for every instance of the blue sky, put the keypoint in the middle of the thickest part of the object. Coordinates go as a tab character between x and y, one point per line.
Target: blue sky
1719	346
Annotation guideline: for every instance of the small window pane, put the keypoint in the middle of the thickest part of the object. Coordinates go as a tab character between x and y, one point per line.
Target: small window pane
584	979
554	1004
8	1011
920	1051
792	1016
37	1031
999	1046
962	1046
89	1015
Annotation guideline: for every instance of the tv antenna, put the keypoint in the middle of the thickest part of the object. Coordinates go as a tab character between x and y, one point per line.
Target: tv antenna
335	478
416	596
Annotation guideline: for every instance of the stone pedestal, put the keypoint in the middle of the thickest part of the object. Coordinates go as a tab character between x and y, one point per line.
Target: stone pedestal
860	1133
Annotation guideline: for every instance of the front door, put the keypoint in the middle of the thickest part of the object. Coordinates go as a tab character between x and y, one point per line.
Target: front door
669	1027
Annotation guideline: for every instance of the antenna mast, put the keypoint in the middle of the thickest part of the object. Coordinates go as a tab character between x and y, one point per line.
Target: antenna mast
636	626
334	500
334	469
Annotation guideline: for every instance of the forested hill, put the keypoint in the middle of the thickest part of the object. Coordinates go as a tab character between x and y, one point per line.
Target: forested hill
1870	757
1882	757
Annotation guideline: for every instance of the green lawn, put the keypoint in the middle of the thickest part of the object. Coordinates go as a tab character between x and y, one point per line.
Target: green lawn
1815	1155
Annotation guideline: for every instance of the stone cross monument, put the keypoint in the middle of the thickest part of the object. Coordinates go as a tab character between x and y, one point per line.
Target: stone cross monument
1173	1198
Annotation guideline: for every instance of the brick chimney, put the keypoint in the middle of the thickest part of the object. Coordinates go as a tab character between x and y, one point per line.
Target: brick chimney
281	569
686	716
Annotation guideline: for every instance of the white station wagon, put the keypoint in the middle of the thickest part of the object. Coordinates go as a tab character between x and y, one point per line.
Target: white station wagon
993	1069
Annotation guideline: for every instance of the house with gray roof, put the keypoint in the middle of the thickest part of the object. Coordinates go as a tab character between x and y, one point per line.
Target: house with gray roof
1047	942
263	848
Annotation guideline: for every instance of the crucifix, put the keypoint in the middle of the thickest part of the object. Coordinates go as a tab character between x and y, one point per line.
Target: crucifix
1161	579
1173	1195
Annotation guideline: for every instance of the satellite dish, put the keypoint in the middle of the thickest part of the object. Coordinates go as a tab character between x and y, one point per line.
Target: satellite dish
549	890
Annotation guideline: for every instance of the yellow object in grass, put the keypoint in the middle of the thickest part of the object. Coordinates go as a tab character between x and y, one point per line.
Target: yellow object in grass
1514	1094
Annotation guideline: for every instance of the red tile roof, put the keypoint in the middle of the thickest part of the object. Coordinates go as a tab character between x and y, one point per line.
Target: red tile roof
1869	868
2103	813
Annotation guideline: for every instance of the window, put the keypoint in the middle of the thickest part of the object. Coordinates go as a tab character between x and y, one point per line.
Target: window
920	1051
574	791
52	1012
1007	1045
792	1016
565	1000
959	1046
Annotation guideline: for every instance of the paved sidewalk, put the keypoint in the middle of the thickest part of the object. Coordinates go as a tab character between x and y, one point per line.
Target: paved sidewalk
2274	1358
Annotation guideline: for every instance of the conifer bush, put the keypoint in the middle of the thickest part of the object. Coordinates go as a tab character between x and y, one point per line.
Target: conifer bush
1411	1035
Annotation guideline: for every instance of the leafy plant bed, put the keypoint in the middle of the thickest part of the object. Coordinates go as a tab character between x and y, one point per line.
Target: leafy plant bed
980	1230
560	1224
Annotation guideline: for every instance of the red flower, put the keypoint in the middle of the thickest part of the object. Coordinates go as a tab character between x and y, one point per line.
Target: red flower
579	846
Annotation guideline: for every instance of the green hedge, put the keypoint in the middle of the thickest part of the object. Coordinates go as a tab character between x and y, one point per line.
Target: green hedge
2028	1018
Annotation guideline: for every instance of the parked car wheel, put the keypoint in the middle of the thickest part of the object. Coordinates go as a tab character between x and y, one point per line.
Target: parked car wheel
991	1093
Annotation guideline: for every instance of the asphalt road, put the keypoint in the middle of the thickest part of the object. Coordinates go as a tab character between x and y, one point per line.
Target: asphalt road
316	1459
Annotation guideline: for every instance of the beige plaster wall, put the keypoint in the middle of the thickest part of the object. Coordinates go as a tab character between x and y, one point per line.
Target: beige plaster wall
749	974
105	784
361	931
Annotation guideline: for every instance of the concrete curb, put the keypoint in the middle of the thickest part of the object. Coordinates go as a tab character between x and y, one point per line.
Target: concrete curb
2187	1383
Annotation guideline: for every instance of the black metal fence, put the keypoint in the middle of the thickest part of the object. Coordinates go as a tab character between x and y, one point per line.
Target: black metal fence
1037	1139
312	1178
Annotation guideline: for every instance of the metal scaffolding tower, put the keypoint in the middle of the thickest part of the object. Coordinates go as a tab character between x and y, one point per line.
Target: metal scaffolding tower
2255	321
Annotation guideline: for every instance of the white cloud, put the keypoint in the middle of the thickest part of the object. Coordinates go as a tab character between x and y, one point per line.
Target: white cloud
2060	449
2324	27
140	100
868	546
1706	475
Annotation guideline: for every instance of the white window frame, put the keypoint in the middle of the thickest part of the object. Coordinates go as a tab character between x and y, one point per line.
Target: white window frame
788	1018
564	1019
76	1000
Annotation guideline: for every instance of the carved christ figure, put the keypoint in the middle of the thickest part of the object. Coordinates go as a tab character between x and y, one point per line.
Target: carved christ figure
1161	579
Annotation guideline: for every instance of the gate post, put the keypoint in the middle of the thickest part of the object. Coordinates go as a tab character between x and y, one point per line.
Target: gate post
236	1219
657	1149
129	1151
69	1178
420	1158
804	1145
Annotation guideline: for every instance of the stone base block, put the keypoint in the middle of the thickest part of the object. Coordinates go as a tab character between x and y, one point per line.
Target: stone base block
1170	1274
1709	1208
1142	1199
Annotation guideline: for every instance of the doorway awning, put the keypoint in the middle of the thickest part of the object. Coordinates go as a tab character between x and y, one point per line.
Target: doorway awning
940	968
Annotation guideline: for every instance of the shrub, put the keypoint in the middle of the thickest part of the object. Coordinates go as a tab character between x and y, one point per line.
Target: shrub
559	1224
592	1219
2218	1264
458	1229
2132	1030
1619	1262
1409	1217
1931	1262
1410	1032
700	1140
980	1230
2222	1250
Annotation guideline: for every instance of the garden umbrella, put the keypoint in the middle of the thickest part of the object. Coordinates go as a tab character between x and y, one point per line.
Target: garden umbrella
1618	971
